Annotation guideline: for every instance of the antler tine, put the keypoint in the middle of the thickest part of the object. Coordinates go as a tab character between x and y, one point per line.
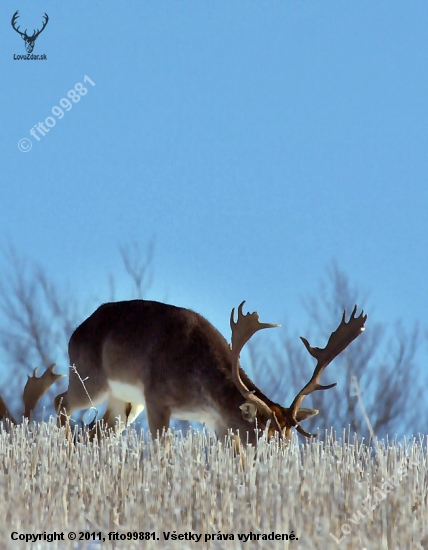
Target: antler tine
35	388
14	18
242	330
340	339
45	22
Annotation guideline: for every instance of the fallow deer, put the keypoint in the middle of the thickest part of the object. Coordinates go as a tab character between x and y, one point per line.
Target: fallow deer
170	360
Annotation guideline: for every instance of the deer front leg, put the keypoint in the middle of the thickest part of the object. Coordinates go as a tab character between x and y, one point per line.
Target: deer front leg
116	415
158	417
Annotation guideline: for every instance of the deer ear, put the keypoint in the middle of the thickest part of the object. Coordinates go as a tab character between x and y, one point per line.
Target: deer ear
249	411
304	414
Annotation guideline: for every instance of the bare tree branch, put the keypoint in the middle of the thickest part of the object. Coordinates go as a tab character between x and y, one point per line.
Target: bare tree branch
138	266
37	319
35	324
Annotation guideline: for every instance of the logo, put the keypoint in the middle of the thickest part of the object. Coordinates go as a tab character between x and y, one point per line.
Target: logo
29	40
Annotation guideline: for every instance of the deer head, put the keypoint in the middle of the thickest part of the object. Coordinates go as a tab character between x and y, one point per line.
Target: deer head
29	40
284	419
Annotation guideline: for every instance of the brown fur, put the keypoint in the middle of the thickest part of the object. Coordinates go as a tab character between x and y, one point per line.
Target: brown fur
174	355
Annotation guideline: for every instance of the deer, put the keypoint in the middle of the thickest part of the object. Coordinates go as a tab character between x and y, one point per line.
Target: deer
30	41
172	361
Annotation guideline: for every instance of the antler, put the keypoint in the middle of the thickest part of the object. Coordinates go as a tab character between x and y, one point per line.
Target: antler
338	341
35	388
45	22
14	18
24	34
242	330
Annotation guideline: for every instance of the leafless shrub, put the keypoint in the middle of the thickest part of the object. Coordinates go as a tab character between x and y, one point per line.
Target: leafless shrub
138	266
36	321
37	318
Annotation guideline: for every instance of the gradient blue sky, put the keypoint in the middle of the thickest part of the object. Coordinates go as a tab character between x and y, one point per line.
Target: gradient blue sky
257	141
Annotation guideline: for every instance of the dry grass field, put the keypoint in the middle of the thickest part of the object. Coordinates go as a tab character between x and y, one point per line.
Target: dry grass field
129	492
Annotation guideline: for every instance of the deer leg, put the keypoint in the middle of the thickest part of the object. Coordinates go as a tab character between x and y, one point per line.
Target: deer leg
158	417
116	415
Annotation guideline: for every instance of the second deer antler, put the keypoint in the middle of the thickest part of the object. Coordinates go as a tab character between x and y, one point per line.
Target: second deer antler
340	339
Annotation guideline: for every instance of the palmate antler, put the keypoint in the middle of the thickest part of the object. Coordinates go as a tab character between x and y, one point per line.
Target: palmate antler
340	339
284	419
242	330
34	389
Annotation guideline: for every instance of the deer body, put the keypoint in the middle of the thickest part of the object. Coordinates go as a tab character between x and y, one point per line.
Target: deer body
170	360
151	355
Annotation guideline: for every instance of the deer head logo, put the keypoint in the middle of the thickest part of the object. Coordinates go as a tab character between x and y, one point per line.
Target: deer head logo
29	40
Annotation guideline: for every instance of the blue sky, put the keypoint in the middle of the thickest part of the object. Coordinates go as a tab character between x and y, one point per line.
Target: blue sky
257	142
